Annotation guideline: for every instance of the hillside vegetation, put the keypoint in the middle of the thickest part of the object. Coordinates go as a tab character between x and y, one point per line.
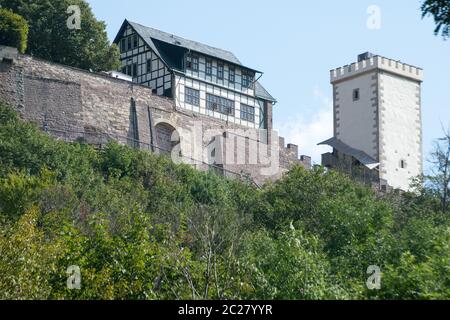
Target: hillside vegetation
140	227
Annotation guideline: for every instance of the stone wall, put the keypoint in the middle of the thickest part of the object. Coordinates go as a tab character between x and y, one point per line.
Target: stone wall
74	104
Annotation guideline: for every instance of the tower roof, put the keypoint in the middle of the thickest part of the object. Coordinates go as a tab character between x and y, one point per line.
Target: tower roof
359	155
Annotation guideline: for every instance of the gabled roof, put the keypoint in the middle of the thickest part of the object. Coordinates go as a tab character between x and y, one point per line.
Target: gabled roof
359	155
154	38
150	34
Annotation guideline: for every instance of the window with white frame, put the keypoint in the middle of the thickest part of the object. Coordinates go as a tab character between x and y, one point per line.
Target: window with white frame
192	62
247	79
219	104
231	75
129	43
208	69
247	113
192	96
220	71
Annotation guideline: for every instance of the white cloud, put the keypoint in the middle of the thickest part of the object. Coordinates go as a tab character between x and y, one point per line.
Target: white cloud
308	132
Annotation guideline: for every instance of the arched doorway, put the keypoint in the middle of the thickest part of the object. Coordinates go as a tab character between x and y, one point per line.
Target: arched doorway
166	138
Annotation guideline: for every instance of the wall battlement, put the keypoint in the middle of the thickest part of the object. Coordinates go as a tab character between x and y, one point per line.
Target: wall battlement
373	63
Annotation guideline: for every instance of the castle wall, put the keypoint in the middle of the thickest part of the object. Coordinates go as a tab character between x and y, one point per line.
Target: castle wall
73	104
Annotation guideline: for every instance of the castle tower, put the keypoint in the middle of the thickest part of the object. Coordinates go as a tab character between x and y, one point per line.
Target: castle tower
377	121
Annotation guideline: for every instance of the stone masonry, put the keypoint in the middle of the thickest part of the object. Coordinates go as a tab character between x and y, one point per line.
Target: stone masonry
77	105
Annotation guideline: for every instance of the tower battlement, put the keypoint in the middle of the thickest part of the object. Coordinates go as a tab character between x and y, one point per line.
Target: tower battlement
373	63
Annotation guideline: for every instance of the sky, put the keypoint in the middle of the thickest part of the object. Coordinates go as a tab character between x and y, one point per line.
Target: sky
296	43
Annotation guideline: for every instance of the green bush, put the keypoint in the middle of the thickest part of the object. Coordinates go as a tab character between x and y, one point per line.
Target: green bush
13	30
141	227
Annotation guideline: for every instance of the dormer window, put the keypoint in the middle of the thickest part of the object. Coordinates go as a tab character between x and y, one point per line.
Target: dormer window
192	62
247	79
208	69
220	71
231	75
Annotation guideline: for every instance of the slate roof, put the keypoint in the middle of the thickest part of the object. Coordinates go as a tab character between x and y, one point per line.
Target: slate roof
150	35
361	156
261	92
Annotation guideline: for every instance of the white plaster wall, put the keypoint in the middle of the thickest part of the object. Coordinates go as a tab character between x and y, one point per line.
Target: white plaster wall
400	130
356	120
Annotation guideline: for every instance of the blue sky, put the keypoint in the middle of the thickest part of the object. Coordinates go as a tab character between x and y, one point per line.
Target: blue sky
296	43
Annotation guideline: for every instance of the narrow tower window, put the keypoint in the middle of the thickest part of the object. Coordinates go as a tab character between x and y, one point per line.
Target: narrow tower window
355	94
403	164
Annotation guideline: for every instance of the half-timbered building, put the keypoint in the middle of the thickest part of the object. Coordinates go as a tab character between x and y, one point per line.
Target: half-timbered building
199	78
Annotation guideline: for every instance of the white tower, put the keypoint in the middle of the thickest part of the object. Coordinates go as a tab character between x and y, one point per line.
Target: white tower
377	120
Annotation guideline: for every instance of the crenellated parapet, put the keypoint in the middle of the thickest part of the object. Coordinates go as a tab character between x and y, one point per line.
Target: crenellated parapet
373	63
289	155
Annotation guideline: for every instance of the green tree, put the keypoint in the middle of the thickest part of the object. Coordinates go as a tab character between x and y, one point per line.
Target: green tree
141	227
440	11
439	178
26	259
420	278
50	38
13	30
288	265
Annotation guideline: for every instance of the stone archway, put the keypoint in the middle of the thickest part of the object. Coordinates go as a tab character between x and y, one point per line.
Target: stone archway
166	138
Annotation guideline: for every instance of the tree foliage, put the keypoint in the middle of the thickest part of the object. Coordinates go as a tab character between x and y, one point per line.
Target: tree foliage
440	11
439	178
50	38
13	30
140	227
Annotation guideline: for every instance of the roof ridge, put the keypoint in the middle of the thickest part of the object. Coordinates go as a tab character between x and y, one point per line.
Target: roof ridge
186	39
